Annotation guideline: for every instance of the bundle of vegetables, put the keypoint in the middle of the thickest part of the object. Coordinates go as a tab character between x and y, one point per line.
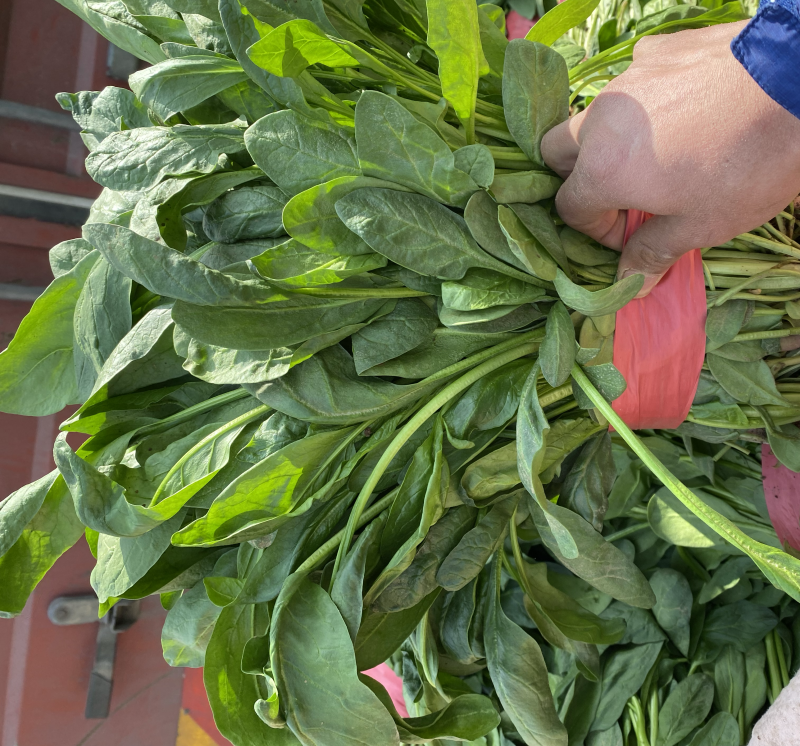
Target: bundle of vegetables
322	330
697	669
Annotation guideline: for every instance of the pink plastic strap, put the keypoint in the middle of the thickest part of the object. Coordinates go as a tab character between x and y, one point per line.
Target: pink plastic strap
659	343
782	492
517	26
392	683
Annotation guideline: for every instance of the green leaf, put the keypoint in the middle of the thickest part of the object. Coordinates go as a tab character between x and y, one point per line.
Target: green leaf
52	530
476	161
311	217
530	252
232	693
348	587
140	158
167	272
121	562
19	508
481	216
420	578
725	577
490	402
721	730
37	373
589	482
417	233
280	321
290	48
120	28
750	383
532	429
482	288
519	674
382	633
598	562
409	325
673	606
572	619
309	641
292	264
101	114
454	34
524	187
729	680
742	624
724	322
535	93
599	302
327	389
465	562
176	85
560	19
65	256
196	192
755	690
102	318
393	145
188	627
686	707
494	473
624	672
557	353
468	717
266	493
584	250
297	152
244	214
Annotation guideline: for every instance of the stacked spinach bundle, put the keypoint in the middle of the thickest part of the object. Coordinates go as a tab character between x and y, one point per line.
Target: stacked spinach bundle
346	377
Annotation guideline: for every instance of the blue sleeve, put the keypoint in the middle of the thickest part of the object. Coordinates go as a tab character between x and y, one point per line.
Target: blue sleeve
769	49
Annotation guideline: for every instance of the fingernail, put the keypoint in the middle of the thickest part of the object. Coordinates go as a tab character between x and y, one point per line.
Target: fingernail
650	281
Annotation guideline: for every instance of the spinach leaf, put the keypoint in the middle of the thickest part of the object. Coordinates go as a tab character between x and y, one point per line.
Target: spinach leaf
244	214
519	674
297	152
176	85
140	158
309	641
394	146
686	707
454	35
535	93
673	605
37	372
417	233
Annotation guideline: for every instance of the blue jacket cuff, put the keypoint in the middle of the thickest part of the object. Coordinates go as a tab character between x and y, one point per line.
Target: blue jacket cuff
769	49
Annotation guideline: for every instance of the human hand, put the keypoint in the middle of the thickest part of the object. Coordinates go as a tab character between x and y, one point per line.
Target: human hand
686	134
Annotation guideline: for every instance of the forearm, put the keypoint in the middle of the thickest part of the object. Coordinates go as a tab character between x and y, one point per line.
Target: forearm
769	49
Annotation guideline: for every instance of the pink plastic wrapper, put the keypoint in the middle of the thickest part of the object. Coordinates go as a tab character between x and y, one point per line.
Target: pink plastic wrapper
392	683
782	492
517	26
659	343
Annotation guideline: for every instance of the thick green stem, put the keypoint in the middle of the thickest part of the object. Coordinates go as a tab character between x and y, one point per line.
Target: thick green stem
189	412
770	334
358	293
773	668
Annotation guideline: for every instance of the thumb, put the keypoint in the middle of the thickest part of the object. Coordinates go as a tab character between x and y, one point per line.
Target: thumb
653	249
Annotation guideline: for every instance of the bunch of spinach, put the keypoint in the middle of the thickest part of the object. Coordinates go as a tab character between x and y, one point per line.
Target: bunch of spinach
333	350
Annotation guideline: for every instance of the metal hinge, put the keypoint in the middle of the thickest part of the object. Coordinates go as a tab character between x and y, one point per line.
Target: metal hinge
69	610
